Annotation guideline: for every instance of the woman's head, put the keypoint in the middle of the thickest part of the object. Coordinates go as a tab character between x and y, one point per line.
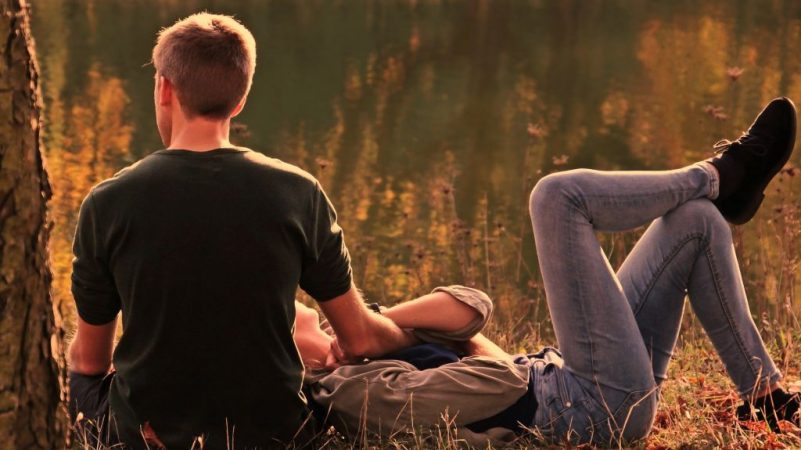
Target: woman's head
312	342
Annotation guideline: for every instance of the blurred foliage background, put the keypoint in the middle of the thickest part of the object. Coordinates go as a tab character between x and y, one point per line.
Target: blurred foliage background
429	121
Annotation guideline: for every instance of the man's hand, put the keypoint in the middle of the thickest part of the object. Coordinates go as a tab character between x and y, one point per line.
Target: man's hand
335	357
359	331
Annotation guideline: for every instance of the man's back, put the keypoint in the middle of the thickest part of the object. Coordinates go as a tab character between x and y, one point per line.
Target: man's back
202	247
203	252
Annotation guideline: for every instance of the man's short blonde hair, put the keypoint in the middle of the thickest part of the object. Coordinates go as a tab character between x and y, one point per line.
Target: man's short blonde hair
210	59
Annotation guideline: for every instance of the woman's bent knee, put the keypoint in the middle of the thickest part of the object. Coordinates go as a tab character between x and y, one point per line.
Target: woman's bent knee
552	188
638	419
543	191
701	215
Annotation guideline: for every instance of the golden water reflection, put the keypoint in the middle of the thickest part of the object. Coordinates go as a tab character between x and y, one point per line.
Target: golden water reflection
428	122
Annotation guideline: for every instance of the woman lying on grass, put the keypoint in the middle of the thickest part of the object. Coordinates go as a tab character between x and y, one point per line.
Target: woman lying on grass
616	331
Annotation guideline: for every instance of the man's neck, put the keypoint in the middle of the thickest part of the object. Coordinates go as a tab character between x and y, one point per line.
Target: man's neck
200	135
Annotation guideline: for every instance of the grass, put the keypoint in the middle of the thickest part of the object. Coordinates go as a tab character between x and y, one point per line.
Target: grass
695	412
698	402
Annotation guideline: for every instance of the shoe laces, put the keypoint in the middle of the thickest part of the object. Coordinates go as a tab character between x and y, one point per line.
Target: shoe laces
746	141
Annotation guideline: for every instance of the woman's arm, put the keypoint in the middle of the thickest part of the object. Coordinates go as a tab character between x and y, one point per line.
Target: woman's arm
438	311
480	345
449	316
401	396
360	333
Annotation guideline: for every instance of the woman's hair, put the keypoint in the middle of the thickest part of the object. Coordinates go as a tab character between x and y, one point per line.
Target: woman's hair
210	59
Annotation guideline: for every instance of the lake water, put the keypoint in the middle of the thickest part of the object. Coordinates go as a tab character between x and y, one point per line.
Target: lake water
428	122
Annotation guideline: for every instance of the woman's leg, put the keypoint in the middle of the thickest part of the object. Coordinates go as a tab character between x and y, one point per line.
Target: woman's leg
690	251
594	324
605	352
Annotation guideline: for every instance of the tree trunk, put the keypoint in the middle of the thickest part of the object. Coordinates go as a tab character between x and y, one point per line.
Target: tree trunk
31	411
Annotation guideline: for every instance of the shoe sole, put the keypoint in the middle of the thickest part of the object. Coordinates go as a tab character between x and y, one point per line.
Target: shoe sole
754	198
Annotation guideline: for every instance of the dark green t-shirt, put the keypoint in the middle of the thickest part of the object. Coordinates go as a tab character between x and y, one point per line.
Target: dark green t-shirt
203	253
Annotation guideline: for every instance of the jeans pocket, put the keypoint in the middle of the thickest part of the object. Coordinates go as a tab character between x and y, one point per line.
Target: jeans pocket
551	397
561	384
565	412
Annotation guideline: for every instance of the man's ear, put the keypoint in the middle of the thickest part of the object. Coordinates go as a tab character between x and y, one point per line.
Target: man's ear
238	108
164	91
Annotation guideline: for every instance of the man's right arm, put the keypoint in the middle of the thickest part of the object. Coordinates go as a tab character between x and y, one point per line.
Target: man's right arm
361	332
326	276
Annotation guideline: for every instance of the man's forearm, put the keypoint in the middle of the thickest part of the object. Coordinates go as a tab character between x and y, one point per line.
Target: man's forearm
386	337
360	332
84	364
90	351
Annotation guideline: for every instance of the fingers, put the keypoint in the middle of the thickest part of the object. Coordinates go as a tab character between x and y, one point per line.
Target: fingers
326	327
331	362
337	351
335	357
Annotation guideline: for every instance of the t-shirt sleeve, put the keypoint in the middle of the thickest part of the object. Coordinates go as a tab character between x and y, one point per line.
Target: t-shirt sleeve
93	288
326	268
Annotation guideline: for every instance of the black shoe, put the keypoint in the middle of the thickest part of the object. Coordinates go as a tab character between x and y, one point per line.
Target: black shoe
747	165
779	405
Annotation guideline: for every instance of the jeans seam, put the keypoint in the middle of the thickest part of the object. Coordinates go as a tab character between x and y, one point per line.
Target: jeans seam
724	306
718	291
680	246
580	202
714	180
570	244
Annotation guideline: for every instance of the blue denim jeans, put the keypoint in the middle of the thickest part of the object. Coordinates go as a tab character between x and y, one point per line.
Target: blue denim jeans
617	331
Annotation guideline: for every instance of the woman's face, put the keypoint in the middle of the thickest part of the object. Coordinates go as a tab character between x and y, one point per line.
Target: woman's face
312	342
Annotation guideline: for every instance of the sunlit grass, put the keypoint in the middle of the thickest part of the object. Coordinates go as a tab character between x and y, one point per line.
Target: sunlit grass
696	410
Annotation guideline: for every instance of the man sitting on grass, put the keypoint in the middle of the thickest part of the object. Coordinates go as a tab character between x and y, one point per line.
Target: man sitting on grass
202	246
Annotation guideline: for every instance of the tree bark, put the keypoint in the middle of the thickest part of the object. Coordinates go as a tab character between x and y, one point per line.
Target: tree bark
31	411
